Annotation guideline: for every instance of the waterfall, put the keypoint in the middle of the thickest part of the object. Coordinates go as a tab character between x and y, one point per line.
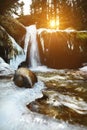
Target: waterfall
27	37
57	48
31	41
30	52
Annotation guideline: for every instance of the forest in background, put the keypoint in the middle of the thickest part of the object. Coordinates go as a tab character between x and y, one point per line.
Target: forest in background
70	13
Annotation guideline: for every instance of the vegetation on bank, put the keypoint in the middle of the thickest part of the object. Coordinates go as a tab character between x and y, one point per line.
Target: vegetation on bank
82	35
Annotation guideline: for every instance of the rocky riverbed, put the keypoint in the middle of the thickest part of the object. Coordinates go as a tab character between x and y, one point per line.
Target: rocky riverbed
65	96
58	101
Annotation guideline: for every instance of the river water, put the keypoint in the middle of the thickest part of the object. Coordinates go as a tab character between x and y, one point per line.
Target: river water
58	101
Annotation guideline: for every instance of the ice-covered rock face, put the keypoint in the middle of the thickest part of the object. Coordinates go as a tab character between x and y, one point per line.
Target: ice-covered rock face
1	60
5	69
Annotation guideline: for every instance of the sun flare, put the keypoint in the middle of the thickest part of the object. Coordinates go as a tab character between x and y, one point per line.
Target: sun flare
54	24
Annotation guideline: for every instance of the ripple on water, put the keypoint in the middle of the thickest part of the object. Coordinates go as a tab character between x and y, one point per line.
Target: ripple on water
65	96
51	106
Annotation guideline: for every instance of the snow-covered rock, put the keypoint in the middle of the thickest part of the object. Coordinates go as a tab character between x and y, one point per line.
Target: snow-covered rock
5	69
83	68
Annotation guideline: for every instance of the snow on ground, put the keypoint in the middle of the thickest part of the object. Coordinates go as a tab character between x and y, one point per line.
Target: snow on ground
84	68
14	114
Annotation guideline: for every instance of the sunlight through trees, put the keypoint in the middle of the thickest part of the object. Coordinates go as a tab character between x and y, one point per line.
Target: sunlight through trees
69	13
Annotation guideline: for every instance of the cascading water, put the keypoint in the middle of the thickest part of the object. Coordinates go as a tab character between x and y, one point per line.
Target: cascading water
57	48
27	37
31	41
30	54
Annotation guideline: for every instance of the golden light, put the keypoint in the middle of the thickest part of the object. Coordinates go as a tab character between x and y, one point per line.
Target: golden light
54	24
57	23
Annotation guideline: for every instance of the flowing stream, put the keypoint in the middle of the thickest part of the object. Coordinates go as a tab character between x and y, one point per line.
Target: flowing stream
58	101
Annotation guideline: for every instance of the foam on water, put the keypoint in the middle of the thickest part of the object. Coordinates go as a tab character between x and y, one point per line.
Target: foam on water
43	69
14	114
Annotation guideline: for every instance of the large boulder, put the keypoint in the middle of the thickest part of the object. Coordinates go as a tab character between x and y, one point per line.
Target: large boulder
23	77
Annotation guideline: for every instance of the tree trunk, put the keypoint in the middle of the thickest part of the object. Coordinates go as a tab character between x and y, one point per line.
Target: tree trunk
14	28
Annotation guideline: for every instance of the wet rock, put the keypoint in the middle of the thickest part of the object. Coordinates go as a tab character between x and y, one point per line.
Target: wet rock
23	64
23	77
6	45
62	49
14	28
